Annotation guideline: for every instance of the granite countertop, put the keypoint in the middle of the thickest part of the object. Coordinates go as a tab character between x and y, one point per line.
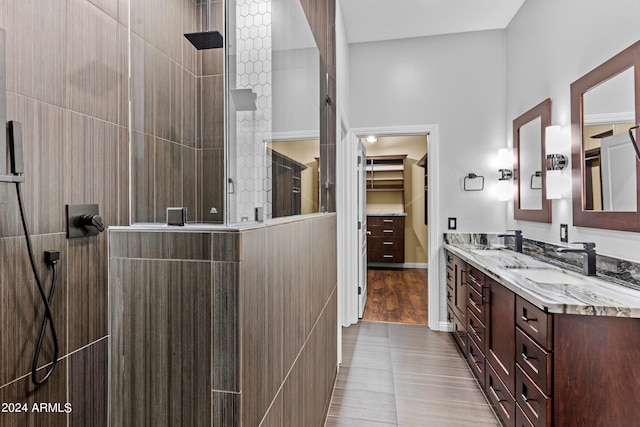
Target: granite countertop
551	288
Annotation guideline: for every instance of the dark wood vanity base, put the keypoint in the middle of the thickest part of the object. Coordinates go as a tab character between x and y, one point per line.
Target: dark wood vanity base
544	369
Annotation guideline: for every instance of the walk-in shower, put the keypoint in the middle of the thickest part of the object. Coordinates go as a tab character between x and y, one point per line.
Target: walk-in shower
204	121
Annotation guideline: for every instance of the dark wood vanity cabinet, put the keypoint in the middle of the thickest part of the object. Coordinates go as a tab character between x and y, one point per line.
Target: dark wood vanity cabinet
477	303
286	185
499	350
540	369
534	364
385	238
456	299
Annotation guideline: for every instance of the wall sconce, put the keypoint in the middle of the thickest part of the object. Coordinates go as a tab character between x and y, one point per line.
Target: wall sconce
556	143
505	171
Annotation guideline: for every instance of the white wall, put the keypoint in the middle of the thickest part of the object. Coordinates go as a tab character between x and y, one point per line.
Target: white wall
456	82
550	44
296	91
346	189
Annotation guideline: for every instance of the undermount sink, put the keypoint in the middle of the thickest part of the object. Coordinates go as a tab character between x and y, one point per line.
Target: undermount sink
549	275
485	250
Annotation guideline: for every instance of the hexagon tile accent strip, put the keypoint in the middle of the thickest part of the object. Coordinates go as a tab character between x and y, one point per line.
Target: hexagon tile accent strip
253	71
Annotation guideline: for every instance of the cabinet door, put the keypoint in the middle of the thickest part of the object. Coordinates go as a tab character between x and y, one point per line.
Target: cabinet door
500	333
460	290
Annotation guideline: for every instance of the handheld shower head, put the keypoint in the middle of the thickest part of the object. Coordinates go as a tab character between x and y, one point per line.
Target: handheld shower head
15	147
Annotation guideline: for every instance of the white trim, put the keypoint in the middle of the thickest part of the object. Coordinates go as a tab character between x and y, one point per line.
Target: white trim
347	251
292	136
394	130
446	327
435	228
609	118
421	265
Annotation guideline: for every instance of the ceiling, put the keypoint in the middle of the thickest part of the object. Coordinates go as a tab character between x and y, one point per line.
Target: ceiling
374	20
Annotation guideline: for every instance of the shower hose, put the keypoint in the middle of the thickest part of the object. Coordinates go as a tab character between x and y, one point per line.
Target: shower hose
48	317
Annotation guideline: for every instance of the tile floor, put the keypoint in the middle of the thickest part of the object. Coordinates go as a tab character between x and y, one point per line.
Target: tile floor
404	375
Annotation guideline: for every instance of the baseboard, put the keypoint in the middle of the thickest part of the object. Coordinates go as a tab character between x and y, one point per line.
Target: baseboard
422	265
446	327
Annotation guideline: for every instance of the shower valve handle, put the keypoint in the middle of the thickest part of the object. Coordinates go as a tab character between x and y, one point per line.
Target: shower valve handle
92	220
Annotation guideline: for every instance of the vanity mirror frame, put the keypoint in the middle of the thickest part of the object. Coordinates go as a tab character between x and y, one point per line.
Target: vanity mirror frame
542	110
610	220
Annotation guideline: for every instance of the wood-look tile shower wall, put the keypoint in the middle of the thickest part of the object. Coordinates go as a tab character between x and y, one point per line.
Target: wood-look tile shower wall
223	328
67	84
67	67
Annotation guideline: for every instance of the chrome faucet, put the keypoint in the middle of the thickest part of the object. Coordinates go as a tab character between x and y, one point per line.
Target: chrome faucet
589	256
517	235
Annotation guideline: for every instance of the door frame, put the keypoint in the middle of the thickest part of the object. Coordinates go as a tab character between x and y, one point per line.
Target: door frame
361	172
435	262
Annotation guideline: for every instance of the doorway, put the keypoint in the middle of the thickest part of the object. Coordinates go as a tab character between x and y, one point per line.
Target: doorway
397	227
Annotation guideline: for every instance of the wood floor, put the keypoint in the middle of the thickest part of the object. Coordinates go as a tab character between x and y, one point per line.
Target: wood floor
404	375
396	295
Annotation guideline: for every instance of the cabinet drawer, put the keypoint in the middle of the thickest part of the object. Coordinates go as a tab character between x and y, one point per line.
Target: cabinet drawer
380	226
450	296
475	278
521	418
475	357
476	330
499	396
535	322
381	249
533	402
460	334
476	303
450	259
389	244
535	361
450	276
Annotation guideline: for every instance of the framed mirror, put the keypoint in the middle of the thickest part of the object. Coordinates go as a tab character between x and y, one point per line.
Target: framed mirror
605	104
530	200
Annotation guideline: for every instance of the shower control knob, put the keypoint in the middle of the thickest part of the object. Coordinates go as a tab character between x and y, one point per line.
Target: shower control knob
92	220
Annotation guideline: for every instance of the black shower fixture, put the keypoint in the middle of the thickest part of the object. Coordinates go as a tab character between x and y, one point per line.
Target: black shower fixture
206	39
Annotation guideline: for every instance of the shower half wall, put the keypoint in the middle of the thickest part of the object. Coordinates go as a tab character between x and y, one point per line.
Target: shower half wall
223	326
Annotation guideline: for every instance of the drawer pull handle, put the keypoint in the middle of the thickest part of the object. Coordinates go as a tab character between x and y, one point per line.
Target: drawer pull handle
474	278
495	395
528	319
527	357
527	399
473	356
387	256
474	303
448	276
449	295
448	259
387	231
387	220
387	243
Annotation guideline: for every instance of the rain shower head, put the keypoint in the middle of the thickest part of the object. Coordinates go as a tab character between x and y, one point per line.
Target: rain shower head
205	40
